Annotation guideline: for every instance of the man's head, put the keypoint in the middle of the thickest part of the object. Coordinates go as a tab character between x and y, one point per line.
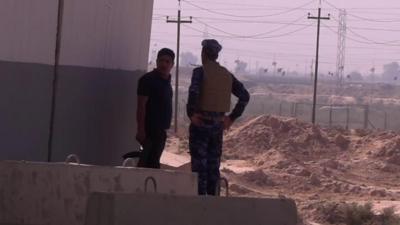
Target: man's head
211	49
165	60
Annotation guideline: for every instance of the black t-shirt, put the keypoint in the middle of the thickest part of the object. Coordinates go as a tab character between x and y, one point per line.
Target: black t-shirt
159	104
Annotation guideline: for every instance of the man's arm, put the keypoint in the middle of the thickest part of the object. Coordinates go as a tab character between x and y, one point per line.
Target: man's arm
194	92
141	118
243	96
143	93
194	95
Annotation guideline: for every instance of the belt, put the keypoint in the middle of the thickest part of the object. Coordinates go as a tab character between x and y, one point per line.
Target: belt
212	118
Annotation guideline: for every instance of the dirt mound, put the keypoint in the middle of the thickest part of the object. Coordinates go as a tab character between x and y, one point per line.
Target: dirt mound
289	157
273	137
258	177
382	146
277	156
266	133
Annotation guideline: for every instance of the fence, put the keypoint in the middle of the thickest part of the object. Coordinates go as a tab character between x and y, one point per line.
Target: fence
332	115
349	116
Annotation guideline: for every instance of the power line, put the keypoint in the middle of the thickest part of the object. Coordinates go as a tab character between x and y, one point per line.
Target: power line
374	20
370	41
242	4
363	48
289	23
363	37
225	20
260	52
288	57
388	43
252	52
365	18
248	16
350	38
259	34
233	36
370	12
240	8
264	5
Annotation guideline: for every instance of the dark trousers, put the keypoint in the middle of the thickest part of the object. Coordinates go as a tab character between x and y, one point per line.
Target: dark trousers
152	149
205	143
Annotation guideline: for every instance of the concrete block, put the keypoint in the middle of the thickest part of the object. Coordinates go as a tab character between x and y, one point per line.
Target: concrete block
57	193
154	209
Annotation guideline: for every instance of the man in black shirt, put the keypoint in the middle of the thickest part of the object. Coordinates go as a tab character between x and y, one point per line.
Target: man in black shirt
154	109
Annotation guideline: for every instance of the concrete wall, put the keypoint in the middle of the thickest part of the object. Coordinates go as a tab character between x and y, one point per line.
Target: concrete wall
57	193
95	116
24	110
104	50
126	209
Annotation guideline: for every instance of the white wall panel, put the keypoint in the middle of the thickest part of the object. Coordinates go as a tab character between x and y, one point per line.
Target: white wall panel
28	30
111	34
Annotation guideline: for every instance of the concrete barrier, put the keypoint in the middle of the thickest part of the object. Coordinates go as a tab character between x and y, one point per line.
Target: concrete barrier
57	193
155	209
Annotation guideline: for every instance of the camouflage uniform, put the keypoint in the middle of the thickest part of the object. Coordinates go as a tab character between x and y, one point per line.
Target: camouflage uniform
205	142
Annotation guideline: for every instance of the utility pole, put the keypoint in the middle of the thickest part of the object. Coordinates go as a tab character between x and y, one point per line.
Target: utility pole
312	70
341	48
319	18
179	21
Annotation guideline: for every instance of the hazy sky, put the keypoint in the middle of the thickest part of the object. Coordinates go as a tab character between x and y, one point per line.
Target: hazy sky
258	31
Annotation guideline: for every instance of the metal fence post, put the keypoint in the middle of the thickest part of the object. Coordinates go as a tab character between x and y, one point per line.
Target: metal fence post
292	109
347	117
366	116
330	116
385	121
295	109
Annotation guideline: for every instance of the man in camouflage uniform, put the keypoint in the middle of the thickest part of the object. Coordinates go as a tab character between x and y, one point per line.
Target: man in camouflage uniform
208	102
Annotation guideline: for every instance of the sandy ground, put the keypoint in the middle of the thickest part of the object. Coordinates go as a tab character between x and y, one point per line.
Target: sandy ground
276	156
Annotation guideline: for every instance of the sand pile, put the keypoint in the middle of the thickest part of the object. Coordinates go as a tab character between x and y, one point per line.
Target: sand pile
289	136
278	156
381	146
291	157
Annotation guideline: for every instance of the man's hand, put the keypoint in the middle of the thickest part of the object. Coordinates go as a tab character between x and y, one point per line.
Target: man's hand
227	122
141	137
196	120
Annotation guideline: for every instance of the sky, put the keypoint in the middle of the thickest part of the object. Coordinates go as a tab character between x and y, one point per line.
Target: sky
261	32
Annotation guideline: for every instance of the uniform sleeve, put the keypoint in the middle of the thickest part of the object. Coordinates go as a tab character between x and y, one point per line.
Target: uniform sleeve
243	96
194	91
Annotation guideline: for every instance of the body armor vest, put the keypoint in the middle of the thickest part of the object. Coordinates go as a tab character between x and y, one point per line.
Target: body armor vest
216	89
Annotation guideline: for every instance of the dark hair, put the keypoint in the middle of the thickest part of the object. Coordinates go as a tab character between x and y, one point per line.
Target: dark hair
167	52
210	54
